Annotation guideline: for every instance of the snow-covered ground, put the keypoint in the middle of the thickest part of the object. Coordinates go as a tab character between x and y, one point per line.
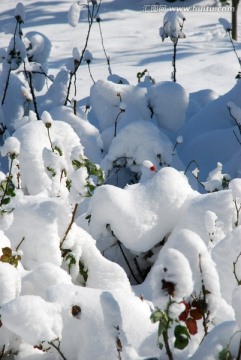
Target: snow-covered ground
120	200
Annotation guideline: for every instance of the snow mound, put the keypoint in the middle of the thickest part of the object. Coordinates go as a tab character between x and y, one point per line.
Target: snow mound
140	215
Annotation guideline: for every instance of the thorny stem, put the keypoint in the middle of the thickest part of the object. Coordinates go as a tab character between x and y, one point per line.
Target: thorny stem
91	16
58	349
69	227
234	269
103	46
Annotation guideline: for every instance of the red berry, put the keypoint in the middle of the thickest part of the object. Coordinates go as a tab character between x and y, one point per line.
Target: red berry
153	168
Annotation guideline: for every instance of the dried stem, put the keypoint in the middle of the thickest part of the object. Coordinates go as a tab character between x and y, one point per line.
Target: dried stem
103	46
88	63
127	261
237	212
17	248
204	292
69	227
91	16
234	269
196	177
9	71
116	122
58	349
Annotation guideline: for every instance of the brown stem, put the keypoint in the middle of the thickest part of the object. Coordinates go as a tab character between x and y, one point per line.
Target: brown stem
70	226
166	343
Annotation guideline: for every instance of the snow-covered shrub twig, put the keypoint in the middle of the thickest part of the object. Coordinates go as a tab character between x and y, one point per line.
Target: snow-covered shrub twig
98	19
228	28
92	10
173	23
15	51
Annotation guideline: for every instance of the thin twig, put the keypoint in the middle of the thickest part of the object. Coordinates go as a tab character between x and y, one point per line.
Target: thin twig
20	244
237	212
234	269
88	63
69	226
2	352
127	262
103	46
58	349
91	16
204	291
116	122
234	49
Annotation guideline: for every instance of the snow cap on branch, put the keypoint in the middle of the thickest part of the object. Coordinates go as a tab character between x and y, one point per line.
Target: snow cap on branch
20	13
172	26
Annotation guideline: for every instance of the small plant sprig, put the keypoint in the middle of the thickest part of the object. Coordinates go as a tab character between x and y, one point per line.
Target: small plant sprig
93	8
11	148
9	257
93	170
98	20
165	320
173	23
16	50
122	107
226	354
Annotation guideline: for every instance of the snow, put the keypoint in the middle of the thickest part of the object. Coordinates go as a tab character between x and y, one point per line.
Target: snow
119	197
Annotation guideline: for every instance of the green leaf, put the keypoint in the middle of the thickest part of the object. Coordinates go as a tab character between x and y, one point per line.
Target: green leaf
160	344
182	337
225	354
5	258
58	150
156	316
162	327
7	251
6	201
77	164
